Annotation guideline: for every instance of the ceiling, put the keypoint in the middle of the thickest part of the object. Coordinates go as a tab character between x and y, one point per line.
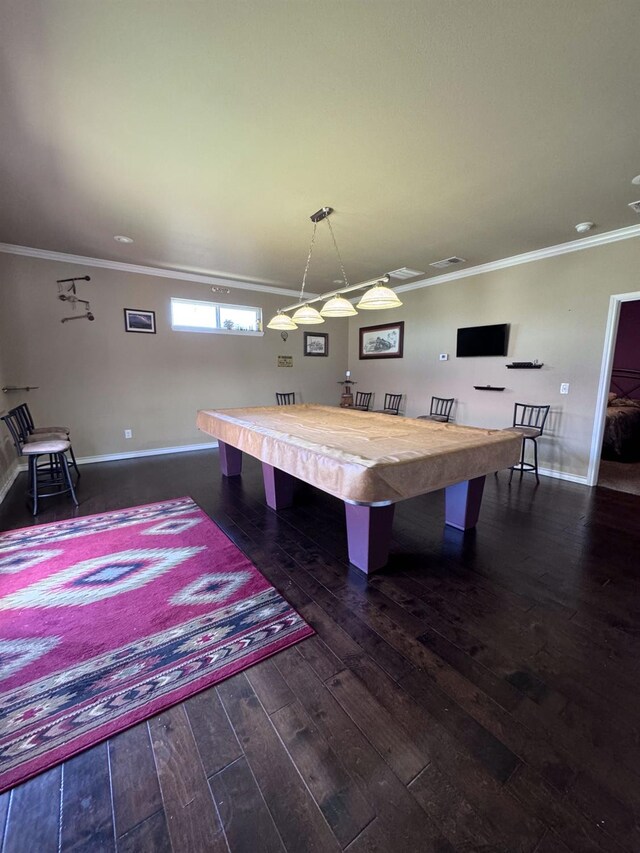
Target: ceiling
210	131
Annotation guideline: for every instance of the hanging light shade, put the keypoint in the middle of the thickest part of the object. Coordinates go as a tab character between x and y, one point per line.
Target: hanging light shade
338	306
379	297
307	315
281	322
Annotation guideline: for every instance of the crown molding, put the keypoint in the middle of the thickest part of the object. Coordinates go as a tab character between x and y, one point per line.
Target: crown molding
527	257
121	266
178	275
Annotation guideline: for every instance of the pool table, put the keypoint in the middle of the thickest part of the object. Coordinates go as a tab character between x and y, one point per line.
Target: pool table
368	460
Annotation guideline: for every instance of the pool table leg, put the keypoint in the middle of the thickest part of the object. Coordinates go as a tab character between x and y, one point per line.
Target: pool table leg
230	459
369	535
278	487
462	503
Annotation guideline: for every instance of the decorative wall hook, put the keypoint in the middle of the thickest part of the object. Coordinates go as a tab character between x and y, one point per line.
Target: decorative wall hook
68	294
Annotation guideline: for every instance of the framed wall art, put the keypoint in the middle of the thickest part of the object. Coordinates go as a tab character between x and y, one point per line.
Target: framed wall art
136	320
382	341
316	343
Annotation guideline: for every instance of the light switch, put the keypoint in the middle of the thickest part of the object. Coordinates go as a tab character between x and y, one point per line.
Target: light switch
564	388
444	356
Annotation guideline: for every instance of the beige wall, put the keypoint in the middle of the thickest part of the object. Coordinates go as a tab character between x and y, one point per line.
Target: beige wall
7	452
557	309
99	379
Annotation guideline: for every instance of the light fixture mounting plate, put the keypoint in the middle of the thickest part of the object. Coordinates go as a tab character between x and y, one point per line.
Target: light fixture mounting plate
321	214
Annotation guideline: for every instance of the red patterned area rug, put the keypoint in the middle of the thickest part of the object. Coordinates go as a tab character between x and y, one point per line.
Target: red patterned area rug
109	619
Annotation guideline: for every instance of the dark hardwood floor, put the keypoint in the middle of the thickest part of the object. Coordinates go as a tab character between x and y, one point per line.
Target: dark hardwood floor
480	694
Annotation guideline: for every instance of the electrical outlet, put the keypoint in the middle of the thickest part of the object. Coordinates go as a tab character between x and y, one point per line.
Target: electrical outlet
128	433
444	356
564	388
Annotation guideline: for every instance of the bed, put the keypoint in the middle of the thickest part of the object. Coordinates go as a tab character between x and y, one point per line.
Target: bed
622	426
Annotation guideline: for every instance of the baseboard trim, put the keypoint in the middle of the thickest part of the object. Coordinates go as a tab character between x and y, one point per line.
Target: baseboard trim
138	454
12	474
561	475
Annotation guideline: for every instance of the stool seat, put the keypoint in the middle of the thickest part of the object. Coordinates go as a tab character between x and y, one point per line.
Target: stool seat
37	448
39	430
442	419
527	432
47	436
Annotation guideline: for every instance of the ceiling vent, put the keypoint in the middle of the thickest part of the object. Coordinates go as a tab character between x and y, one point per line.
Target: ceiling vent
635	206
448	262
405	272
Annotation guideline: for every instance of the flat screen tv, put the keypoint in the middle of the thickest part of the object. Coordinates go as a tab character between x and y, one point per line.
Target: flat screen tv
482	340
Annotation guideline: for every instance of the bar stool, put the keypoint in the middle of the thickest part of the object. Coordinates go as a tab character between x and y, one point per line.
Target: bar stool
440	410
286	398
391	404
363	400
528	421
52	473
29	433
27	420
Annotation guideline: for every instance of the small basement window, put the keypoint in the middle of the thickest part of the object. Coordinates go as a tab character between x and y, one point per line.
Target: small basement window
192	315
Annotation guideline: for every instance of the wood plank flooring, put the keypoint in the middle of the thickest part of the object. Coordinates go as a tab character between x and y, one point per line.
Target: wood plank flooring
480	694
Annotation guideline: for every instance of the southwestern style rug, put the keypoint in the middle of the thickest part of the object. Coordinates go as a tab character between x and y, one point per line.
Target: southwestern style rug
109	619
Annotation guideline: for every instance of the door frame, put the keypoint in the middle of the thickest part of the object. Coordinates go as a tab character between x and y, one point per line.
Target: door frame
606	367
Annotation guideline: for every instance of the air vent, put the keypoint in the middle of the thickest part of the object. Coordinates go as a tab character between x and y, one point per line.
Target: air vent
405	272
447	262
635	206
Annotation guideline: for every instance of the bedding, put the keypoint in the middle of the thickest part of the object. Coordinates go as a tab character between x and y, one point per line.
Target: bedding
622	430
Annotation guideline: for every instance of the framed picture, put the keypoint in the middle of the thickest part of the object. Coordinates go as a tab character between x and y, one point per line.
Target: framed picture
382	341
316	343
139	321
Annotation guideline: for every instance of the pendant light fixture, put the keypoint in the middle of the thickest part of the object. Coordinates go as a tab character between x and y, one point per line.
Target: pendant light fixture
281	322
338	306
377	297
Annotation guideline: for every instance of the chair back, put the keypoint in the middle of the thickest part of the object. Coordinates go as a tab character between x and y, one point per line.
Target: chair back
441	406
286	398
392	403
14	426
534	417
363	400
24	416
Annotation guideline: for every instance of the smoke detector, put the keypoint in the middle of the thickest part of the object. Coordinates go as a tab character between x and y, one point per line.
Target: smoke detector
405	272
448	262
582	227
635	206
120	238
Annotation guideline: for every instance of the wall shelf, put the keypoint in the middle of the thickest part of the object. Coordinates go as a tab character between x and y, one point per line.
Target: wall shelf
488	388
523	366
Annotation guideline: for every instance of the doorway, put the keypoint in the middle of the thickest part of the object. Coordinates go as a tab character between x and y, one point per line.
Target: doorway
615	450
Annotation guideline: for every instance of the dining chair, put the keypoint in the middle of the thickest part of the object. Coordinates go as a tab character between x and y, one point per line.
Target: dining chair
286	398
528	421
440	410
363	400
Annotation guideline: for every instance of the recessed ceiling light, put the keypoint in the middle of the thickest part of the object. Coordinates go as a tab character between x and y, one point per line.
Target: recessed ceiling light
122	239
636	180
581	227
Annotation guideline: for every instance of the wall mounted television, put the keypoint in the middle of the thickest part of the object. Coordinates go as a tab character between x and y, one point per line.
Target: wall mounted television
482	340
